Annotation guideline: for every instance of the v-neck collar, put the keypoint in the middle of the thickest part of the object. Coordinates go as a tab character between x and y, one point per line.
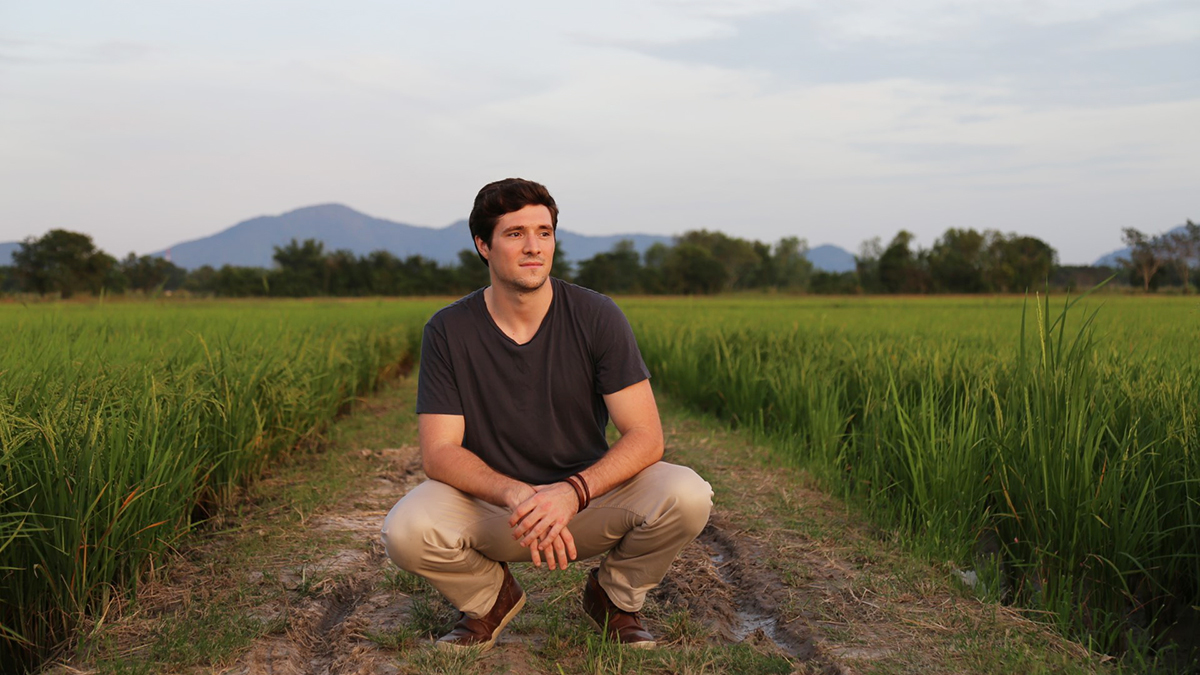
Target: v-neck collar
554	292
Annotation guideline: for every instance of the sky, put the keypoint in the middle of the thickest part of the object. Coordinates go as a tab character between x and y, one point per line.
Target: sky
146	123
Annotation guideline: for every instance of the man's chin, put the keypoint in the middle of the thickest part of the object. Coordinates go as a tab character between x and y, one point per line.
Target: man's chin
528	284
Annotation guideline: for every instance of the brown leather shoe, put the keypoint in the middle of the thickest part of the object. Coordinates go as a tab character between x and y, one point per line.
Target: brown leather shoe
482	632
620	626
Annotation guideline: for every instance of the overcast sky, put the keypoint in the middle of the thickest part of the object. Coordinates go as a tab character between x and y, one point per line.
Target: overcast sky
149	122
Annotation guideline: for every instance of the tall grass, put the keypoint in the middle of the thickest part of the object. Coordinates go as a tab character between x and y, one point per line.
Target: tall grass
117	421
1063	447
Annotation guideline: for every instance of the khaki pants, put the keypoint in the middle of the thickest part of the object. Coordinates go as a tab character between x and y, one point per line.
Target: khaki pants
456	541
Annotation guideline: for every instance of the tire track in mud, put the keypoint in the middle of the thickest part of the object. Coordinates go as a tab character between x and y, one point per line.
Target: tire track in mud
723	583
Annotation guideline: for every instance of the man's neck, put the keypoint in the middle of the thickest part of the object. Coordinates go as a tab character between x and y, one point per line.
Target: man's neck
518	313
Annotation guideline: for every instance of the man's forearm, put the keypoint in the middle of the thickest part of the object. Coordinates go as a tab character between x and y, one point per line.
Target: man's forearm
637	449
458	467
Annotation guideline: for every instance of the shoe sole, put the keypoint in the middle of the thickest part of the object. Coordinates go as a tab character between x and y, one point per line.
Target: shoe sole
644	644
484	646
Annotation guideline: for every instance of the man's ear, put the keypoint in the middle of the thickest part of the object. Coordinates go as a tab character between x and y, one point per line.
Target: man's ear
482	247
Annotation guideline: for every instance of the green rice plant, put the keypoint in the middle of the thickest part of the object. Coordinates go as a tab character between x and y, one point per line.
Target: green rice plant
123	425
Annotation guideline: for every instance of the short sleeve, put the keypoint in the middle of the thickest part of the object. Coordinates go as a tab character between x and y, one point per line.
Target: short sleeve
618	360
437	391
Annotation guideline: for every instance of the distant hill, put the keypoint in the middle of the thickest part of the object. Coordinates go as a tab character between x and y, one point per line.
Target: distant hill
830	258
6	250
251	243
1113	259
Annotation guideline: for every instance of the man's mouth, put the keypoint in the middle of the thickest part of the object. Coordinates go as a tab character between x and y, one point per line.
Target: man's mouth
531	263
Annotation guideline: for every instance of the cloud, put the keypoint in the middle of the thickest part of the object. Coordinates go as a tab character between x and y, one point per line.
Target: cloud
1044	54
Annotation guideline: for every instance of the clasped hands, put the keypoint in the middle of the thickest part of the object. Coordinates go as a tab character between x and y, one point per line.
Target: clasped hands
540	514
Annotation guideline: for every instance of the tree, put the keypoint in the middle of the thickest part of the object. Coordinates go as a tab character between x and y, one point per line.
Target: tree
61	262
957	261
241	282
201	280
560	267
1184	247
900	269
692	269
654	268
151	273
617	271
302	270
1147	254
471	272
738	256
1019	263
790	264
866	265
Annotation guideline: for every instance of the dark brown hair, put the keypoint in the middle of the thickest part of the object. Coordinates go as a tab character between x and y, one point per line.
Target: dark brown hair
505	196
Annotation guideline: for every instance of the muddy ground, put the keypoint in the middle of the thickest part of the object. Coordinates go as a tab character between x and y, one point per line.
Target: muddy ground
783	579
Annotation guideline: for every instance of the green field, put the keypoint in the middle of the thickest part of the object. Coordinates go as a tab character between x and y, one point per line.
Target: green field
1056	455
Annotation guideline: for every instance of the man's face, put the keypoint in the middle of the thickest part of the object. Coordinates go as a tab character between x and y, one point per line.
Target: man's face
522	248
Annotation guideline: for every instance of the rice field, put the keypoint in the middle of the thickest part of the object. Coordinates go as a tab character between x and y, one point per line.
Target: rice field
121	425
1055	453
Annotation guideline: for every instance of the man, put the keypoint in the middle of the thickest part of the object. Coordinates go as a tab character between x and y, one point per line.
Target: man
517	383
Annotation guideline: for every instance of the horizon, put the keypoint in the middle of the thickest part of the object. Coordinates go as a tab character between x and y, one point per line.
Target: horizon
811	245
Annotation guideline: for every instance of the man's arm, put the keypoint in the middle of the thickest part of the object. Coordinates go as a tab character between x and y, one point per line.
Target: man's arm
445	459
635	414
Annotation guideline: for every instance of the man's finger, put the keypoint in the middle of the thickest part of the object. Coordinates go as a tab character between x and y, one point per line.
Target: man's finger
560	552
536	556
551	537
533	534
522	510
569	541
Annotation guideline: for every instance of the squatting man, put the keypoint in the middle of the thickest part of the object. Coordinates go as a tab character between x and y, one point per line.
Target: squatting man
517	383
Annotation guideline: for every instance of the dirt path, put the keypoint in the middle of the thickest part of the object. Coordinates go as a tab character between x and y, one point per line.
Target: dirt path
782	580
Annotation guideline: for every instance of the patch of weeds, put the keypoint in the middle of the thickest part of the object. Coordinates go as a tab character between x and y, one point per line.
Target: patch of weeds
560	642
679	627
445	662
601	656
430	617
739	658
400	581
207	637
401	639
117	665
307	587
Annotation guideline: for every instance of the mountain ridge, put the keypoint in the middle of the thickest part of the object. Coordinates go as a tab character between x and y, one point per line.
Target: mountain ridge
250	242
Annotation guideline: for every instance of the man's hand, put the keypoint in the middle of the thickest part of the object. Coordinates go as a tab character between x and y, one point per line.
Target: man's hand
540	524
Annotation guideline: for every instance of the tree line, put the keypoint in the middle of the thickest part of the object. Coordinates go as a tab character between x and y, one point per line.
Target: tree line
67	263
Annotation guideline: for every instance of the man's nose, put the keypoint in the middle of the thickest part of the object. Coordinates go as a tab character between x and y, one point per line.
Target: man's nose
533	244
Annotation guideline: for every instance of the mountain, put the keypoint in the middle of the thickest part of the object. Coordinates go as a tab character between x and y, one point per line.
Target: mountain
6	250
830	258
251	243
1113	259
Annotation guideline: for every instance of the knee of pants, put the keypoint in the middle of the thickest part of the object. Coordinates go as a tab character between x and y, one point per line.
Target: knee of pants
406	535
692	496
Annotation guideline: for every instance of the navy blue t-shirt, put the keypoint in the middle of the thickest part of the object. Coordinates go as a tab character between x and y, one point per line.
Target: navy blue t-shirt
535	411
